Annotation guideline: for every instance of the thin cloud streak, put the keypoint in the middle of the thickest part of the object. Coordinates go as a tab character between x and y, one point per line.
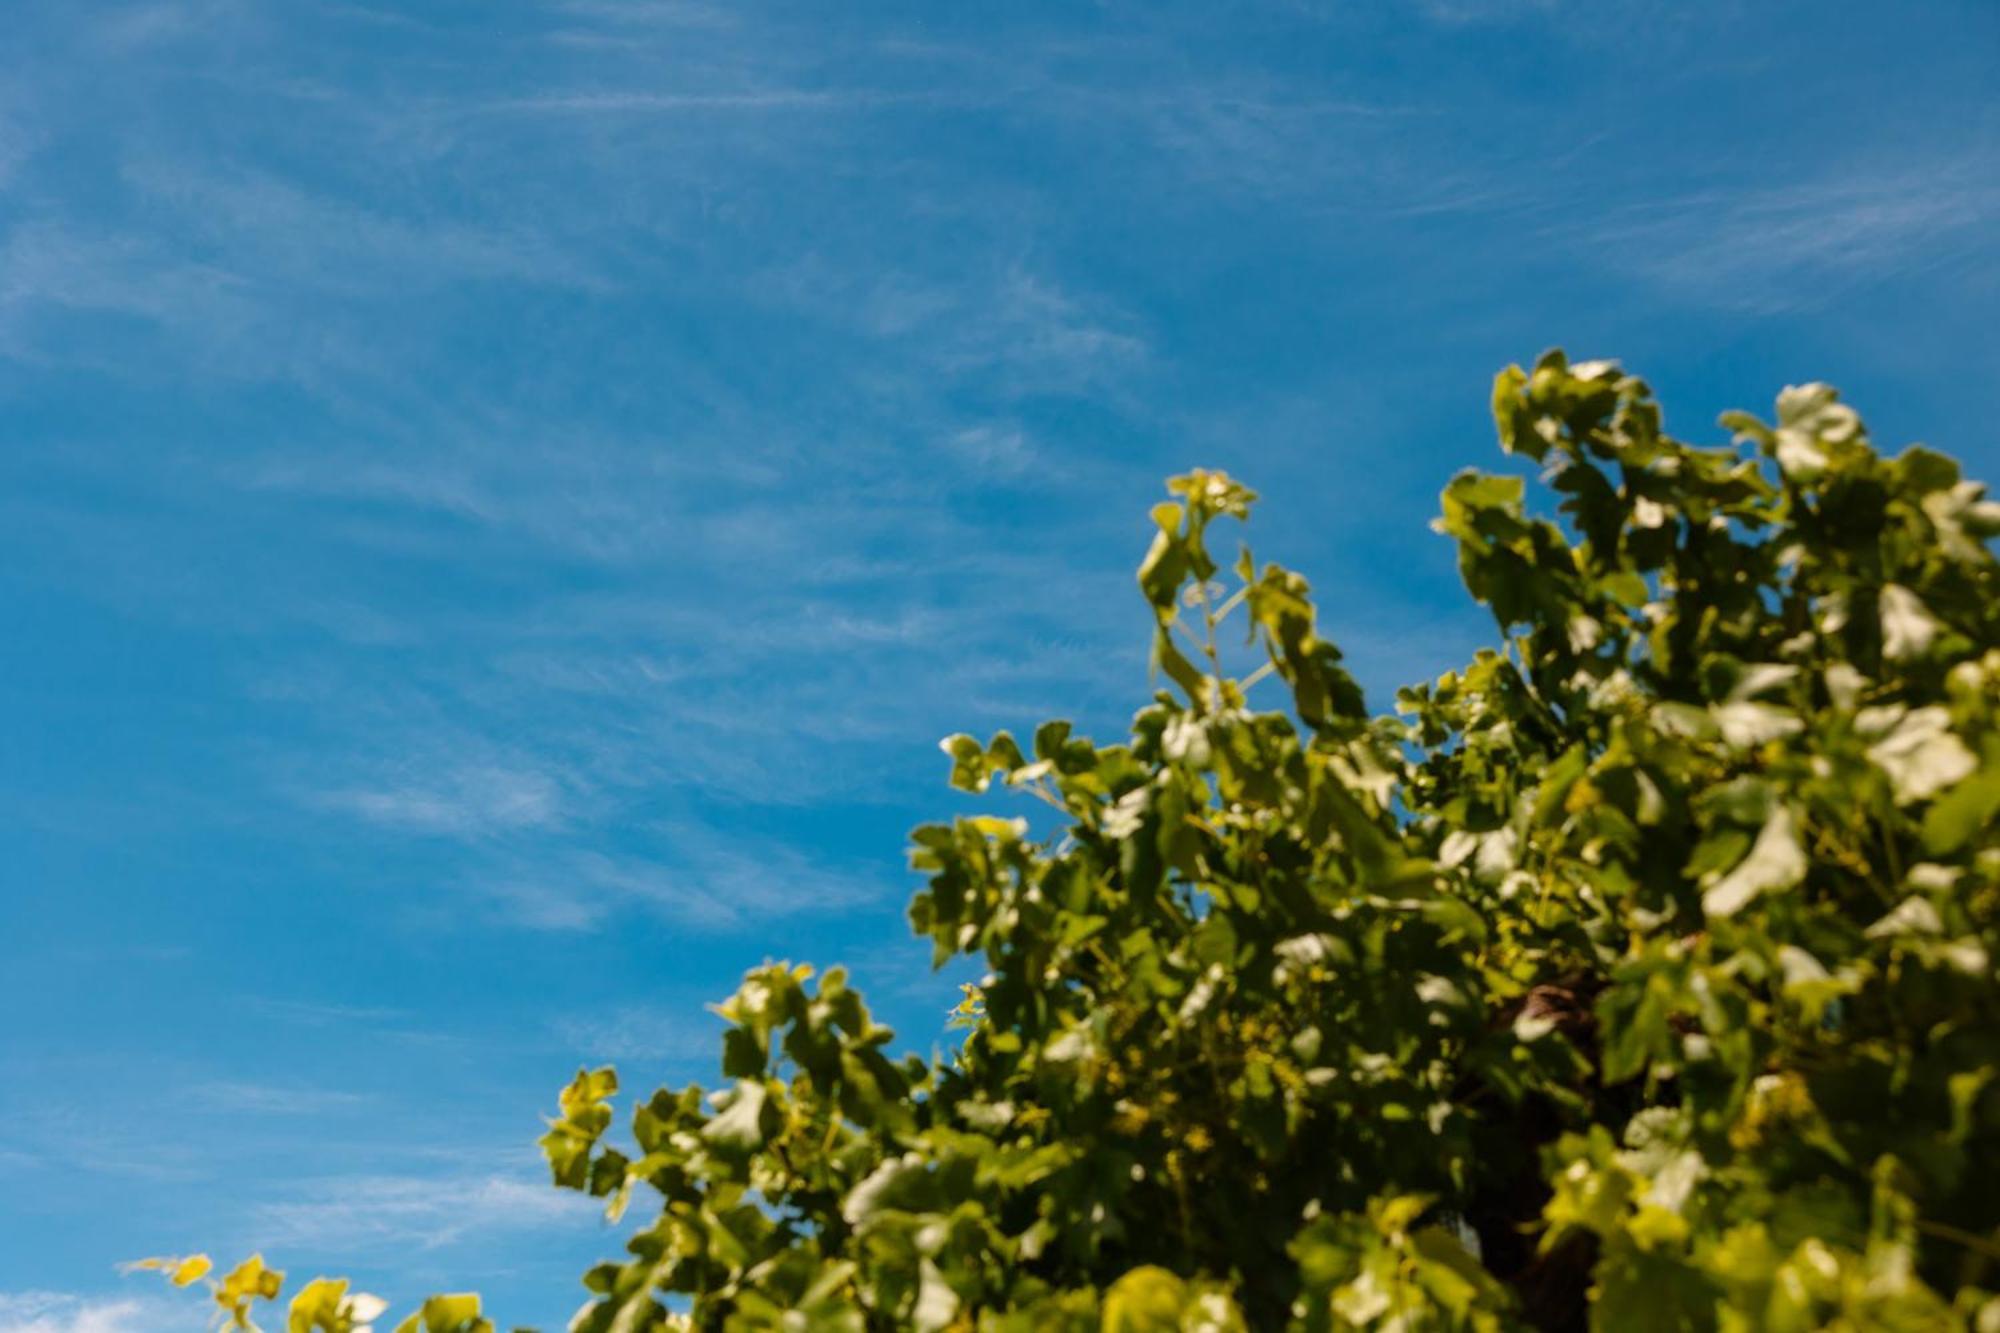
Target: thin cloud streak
234	1098
637	103
320	1013
693	877
64	1312
465	802
678	1036
362	1215
1802	246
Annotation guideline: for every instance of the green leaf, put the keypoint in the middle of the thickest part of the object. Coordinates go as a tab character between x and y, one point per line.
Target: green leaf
1146	1300
742	1124
1921	754
1958	816
1908	627
1774	863
447	1314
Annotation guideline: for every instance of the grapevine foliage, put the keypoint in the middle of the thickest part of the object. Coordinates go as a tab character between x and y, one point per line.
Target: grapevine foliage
1638	975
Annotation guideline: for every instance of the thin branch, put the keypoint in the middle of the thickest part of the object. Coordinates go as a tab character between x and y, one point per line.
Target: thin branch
1945	1231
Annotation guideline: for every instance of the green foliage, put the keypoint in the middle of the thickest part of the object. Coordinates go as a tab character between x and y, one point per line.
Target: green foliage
1639	975
323	1305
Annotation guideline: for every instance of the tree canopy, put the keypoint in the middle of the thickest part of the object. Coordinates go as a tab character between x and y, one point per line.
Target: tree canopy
1640	974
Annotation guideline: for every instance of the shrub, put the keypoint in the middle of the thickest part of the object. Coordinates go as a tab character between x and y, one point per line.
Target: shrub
1638	975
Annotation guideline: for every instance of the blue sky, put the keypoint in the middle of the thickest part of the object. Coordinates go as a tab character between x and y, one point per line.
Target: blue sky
499	501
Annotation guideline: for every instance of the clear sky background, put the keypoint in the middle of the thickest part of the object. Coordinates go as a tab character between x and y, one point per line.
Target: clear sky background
499	500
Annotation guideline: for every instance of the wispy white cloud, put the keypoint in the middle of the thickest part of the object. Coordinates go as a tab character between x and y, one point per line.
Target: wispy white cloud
641	1033
18	140
694	876
654	14
280	234
63	1312
1002	321
1260	140
676	668
371	1214
235	1097
536	897
998	450
50	264
558	722
132	27
1456	12
430	484
319	1013
642	103
246	274
1800	245
461	801
1046	333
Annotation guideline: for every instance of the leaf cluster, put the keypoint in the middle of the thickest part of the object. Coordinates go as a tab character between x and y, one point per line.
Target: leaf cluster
1638	975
